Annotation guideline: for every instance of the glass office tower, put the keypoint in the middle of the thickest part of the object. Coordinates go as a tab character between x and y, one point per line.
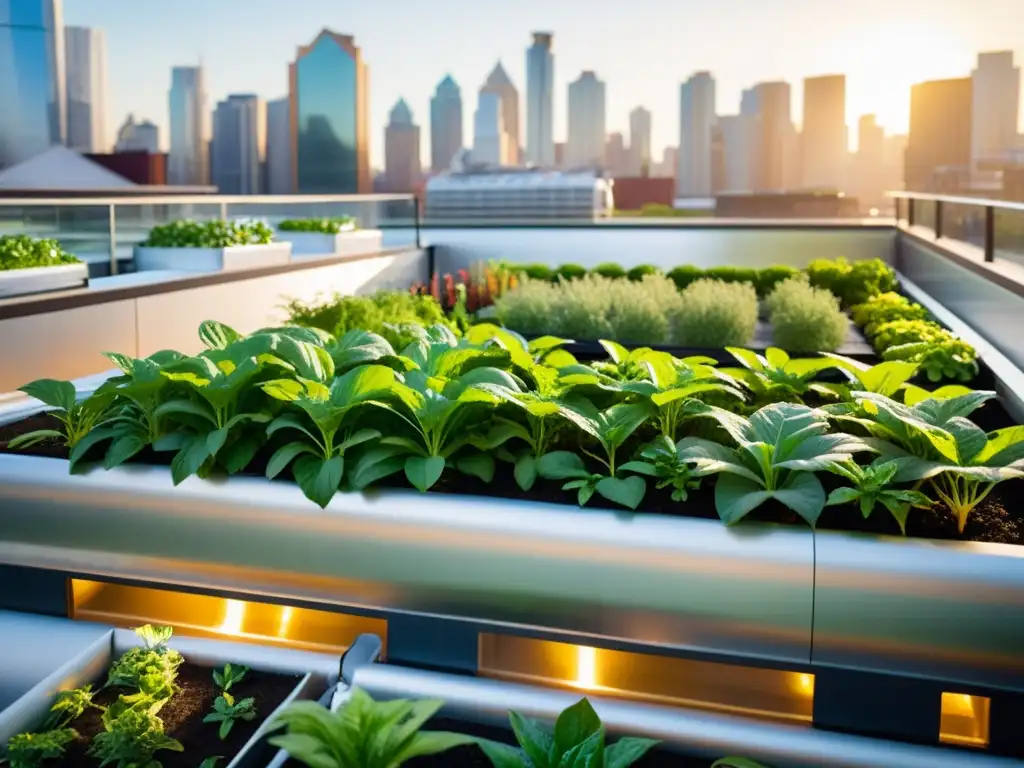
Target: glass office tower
31	78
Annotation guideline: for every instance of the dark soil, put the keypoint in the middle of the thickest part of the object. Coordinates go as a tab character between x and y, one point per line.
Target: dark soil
999	519
183	717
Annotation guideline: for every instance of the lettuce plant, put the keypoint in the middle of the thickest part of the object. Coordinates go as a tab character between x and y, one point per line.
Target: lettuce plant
32	750
77	418
578	739
227	711
70	705
363	733
130	738
151	668
871	486
774	376
779	448
610	429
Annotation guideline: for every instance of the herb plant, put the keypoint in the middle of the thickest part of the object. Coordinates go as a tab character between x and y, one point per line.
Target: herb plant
32	750
853	283
638	273
150	668
327	226
208	234
578	739
227	711
805	318
363	733
682	276
769	277
130	738
231	674
774	376
24	252
70	705
716	314
76	418
872	486
570	271
610	270
662	460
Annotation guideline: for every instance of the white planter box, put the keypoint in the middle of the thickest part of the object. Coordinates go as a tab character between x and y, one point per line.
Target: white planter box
18	282
212	259
306	245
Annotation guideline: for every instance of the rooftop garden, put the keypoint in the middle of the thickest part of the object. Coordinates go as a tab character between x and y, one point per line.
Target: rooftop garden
186	233
23	252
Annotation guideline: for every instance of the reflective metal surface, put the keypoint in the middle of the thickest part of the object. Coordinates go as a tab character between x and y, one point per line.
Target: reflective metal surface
698	733
948	610
666	582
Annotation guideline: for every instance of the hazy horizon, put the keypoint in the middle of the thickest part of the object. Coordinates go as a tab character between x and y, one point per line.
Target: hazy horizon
642	53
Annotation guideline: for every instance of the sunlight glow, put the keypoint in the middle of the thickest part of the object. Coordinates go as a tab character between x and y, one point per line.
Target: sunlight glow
234	615
586	667
286	619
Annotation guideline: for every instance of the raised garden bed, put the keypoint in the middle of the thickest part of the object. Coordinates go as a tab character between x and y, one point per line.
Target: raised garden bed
30	266
325	238
135	698
212	246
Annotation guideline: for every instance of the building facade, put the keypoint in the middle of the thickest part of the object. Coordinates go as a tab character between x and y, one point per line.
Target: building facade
616	156
995	105
32	85
775	147
739	145
329	101
696	124
490	140
137	137
445	124
823	140
940	131
239	145
279	147
540	101
499	83
640	142
188	159
869	164
402	169
587	122
525	194
85	62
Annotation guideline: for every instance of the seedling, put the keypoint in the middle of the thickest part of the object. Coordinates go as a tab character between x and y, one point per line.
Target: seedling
871	486
662	460
227	712
32	750
77	418
227	677
70	705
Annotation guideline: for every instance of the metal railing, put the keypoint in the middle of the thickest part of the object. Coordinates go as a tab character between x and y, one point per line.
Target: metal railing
106	229
994	226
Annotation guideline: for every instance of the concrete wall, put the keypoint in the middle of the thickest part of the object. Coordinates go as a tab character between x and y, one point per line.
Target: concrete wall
666	247
69	343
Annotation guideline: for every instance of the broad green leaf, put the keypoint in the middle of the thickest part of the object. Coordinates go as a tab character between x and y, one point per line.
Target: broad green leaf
736	762
52	392
627	751
586	754
424	471
431	743
283	389
561	465
31	438
806	366
671	395
317	478
478	465
379	462
802	492
500	434
620	421
307	748
96	435
616	351
240	453
559	358
970	438
711	457
291	421
525	471
938	412
534	739
284	455
121	449
1004	446
748	359
886	378
640	467
813	453
842	496
190	407
189	459
358	438
627	491
776	357
546	343
737	496
500	755
217	335
574	725
368	382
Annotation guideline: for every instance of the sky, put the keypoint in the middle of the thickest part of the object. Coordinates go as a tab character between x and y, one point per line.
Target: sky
642	49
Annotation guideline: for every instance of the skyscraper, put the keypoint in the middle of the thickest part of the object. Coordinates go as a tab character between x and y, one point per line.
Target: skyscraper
824	140
239	145
940	131
187	162
616	156
445	124
696	121
499	83
279	147
32	102
137	137
490	140
739	145
329	96
774	153
540	95
995	105
402	169
587	121
640	142
85	62
869	165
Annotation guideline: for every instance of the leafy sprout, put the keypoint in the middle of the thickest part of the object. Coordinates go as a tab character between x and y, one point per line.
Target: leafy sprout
663	460
70	705
774	376
227	711
77	418
131	736
229	676
872	486
32	750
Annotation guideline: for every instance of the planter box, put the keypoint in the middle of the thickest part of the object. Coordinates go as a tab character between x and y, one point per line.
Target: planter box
212	259
310	245
19	282
318	671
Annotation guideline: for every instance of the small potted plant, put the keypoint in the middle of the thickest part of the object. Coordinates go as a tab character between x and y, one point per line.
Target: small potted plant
210	246
28	265
326	237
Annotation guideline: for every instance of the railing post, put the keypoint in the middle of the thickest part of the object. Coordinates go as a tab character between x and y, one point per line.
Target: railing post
896	200
223	211
416	207
112	229
990	233
910	211
938	219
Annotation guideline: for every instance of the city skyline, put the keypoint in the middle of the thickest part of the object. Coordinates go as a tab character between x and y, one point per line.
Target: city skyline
254	57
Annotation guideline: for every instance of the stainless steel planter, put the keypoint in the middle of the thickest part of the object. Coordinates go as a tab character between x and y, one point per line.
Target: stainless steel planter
667	582
212	259
311	245
318	672
19	282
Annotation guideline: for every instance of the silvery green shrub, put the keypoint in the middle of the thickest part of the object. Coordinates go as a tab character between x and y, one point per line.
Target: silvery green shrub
805	318
716	314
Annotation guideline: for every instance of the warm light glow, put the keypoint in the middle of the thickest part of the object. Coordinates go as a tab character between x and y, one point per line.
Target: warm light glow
959	704
586	667
286	619
234	615
965	720
804	684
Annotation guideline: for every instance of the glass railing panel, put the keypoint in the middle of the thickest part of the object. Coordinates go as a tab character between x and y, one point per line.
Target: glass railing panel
82	230
924	214
1009	235
133	223
965	223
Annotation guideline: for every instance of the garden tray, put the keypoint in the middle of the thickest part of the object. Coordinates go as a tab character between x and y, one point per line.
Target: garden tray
20	282
212	259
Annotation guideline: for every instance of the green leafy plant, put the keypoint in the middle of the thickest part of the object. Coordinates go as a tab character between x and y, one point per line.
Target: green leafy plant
70	705
327	226
806	319
379	314
683	275
729	274
610	429
32	750
211	762
852	283
950	358
131	736
578	739
24	252
363	733
779	448
885	308
227	711
639	272
150	668
537	271
769	277
774	376
76	418
662	460
872	486
886	379
736	762
610	270
229	676
570	271
716	314
186	233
